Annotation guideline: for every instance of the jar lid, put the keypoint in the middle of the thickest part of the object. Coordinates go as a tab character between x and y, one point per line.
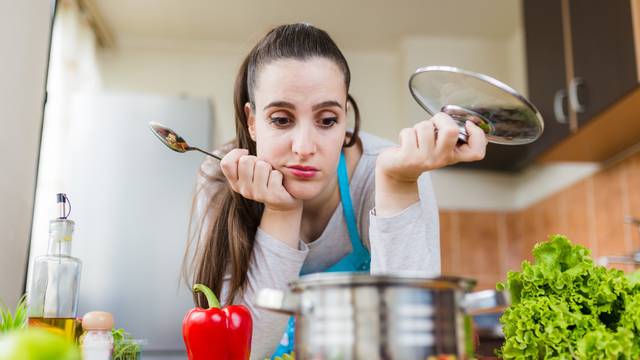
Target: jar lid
97	320
506	117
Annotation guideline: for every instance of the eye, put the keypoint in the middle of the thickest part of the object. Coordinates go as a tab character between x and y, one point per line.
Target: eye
280	121
329	121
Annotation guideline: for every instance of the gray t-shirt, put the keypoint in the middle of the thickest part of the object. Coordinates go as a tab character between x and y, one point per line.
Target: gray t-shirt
406	242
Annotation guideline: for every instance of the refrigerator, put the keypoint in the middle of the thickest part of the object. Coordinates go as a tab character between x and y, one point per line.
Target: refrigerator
131	200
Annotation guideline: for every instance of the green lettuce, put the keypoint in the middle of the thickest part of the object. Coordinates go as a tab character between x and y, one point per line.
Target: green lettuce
566	307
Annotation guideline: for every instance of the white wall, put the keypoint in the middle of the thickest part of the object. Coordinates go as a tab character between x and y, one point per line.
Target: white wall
158	66
379	84
194	68
24	40
379	78
517	62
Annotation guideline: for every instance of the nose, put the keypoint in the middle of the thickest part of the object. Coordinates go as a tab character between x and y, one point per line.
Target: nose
304	143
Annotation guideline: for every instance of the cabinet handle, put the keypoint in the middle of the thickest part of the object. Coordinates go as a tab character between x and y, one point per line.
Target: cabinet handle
573	94
558	110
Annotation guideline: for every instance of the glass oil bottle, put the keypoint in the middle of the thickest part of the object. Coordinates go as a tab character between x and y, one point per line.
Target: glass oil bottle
53	293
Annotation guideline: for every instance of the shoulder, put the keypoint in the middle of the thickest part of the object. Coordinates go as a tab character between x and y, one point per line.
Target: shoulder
210	167
363	180
373	145
210	177
210	181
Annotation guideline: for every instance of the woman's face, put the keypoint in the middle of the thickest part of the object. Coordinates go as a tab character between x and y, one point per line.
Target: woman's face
299	122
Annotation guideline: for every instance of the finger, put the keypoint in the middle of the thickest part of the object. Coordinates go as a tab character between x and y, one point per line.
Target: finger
229	164
275	180
261	173
408	140
476	146
246	164
426	134
448	131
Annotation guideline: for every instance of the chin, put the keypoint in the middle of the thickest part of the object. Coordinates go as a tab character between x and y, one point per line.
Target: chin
303	190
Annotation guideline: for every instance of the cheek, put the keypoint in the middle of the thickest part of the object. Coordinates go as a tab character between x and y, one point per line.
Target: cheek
271	150
265	150
332	146
266	147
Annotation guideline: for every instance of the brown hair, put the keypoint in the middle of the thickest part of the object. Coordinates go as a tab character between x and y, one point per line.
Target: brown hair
224	234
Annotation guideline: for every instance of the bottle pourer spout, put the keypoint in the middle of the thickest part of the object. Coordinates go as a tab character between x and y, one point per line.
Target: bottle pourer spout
62	201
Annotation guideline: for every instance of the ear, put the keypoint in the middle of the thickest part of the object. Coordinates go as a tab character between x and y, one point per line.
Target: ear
251	120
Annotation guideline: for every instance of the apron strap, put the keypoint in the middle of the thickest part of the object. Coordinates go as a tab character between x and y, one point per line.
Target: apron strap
359	249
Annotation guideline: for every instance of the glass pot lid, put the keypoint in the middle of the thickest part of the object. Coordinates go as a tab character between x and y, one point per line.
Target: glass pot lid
505	116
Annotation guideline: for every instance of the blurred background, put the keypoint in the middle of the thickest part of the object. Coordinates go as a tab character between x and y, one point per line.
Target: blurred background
81	82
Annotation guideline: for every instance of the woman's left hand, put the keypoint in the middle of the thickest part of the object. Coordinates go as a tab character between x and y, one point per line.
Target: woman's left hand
422	150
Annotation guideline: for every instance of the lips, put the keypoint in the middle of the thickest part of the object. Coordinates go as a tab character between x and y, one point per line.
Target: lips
303	172
302	168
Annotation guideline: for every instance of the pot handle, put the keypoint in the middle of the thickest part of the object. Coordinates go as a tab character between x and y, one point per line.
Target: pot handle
485	301
278	301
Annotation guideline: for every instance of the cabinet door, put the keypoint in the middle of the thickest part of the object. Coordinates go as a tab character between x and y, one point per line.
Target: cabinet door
546	75
603	53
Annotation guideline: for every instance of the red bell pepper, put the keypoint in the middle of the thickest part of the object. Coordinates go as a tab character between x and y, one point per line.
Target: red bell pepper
215	333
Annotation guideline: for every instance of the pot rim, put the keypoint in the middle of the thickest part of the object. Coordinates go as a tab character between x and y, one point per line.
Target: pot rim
341	279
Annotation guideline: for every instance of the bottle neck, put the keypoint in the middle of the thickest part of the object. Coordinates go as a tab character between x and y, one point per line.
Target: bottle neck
60	236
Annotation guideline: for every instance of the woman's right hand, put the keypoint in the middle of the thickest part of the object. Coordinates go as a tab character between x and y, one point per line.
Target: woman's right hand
257	180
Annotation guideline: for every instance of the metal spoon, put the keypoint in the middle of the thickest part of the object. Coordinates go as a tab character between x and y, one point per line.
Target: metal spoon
174	141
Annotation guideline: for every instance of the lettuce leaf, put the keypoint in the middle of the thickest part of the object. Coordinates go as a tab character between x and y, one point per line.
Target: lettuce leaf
566	307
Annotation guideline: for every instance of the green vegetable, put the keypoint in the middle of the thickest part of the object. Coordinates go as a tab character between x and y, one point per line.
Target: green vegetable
18	320
468	337
36	344
124	346
566	307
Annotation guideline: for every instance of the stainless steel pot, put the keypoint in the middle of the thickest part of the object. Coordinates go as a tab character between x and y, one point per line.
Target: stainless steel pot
361	316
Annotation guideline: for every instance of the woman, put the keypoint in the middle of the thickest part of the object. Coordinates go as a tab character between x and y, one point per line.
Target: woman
296	192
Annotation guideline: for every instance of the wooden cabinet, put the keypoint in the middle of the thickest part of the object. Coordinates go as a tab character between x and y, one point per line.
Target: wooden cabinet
546	72
604	61
605	53
581	63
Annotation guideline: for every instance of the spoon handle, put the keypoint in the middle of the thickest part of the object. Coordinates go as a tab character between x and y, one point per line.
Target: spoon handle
206	153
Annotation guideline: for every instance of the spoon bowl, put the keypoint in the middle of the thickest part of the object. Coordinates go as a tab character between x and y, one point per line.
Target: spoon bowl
174	141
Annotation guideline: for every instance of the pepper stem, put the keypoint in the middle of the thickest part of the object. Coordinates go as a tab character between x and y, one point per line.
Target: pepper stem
212	300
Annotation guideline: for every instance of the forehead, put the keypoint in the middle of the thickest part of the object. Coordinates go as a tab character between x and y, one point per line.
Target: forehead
300	81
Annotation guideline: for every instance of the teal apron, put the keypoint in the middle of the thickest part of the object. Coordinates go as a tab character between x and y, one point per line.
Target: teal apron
358	259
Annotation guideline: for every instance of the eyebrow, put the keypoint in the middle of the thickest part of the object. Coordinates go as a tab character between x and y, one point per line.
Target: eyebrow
288	105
